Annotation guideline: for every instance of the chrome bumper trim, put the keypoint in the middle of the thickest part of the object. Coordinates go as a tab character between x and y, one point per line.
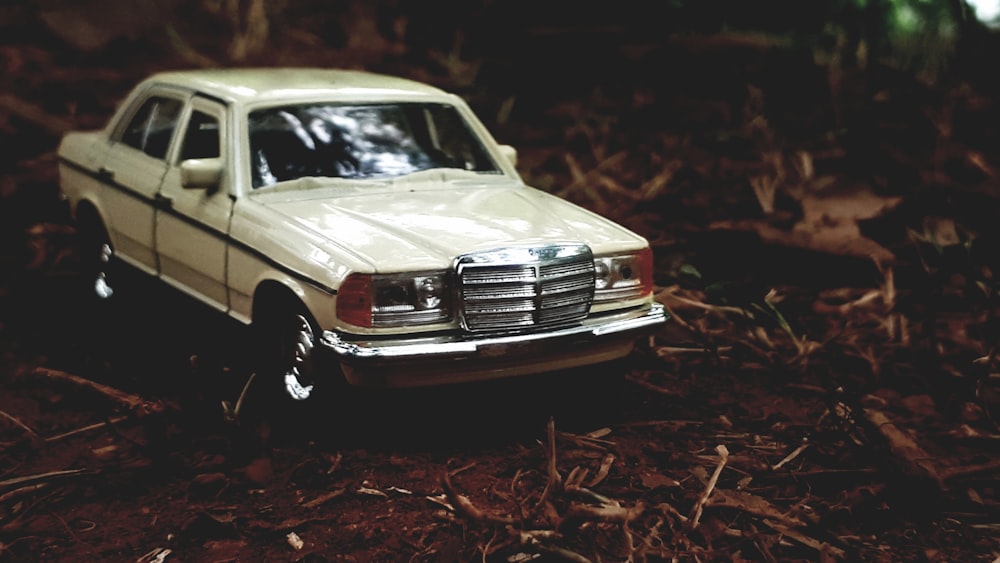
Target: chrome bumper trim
455	346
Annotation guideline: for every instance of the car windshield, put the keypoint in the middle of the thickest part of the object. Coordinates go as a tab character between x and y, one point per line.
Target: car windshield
361	141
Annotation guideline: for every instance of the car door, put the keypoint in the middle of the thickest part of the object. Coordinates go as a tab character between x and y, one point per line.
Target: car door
134	167
192	224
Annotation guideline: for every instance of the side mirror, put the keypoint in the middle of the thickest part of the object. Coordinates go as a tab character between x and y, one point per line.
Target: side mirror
510	153
201	173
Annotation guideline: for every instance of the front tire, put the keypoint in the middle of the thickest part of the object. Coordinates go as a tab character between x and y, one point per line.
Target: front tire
287	343
96	257
299	374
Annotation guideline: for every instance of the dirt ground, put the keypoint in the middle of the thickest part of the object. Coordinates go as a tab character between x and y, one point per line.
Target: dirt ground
828	387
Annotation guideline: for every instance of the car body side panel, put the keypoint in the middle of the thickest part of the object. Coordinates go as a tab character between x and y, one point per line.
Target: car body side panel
192	226
263	247
133	179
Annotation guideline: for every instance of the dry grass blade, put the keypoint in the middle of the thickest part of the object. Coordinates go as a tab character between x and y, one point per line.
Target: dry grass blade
765	188
653	187
232	413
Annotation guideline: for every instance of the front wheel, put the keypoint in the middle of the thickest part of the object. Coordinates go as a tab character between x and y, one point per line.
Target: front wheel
299	373
287	348
96	255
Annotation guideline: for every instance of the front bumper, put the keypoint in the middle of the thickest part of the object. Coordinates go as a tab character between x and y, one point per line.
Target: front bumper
455	358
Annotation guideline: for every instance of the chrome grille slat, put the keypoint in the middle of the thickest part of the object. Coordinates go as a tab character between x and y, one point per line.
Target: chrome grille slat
520	288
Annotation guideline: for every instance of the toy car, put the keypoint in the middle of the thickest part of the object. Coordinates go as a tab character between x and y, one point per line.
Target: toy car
365	226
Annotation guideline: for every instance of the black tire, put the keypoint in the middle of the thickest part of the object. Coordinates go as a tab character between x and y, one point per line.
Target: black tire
96	256
287	344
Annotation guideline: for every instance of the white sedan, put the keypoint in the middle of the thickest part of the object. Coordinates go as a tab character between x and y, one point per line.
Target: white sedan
368	227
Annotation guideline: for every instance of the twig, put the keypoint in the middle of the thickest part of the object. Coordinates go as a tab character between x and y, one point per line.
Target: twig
669	510
22	491
586	441
85	429
335	464
158	555
324	498
674	425
562	553
805	540
705	306
754	504
575	478
581	178
39	478
602	473
133	402
31	433
462	469
791	456
915	459
232	413
554	479
674	317
968	470
464	506
595	497
650	386
723	458
532	536
604	513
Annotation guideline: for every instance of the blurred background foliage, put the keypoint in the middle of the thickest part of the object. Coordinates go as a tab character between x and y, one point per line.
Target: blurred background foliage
670	116
810	66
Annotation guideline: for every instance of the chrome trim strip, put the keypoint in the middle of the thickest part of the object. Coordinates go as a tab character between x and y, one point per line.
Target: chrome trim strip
457	346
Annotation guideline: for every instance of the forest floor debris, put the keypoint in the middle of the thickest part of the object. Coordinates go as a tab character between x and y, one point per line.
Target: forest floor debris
828	387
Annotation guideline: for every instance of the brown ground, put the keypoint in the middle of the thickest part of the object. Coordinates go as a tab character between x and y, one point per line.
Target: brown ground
829	388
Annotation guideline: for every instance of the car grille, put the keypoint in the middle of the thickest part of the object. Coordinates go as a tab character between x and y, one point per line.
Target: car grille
514	289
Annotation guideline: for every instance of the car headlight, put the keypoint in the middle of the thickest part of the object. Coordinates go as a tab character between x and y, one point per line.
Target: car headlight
392	300
623	277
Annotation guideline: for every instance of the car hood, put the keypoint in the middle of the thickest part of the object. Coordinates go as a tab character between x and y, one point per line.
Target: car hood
411	227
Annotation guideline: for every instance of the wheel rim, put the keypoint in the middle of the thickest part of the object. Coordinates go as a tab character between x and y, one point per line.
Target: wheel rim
102	287
298	377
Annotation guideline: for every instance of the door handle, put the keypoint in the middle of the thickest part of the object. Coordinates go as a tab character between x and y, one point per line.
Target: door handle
163	202
106	174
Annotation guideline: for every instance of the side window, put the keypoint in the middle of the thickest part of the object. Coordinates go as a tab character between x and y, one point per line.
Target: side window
201	139
153	125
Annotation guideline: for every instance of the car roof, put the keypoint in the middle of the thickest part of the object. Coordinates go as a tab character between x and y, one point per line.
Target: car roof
252	85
